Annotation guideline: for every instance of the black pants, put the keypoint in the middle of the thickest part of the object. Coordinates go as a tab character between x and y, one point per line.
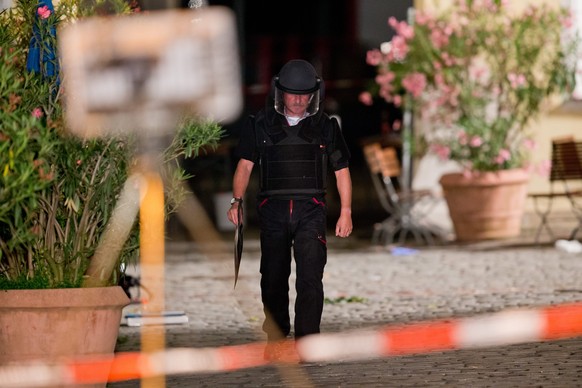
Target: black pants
299	224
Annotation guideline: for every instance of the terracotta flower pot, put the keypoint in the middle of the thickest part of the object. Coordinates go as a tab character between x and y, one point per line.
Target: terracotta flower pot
59	323
487	205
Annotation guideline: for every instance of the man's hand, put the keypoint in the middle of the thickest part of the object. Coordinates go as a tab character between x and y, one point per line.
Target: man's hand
344	226
240	182
232	213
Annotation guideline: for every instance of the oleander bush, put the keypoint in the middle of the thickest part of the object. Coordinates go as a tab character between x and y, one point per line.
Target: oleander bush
57	191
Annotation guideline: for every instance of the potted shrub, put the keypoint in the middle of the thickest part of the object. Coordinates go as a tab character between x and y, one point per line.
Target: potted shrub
58	192
474	76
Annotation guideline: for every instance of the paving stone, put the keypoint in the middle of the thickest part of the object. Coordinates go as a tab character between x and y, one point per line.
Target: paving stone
445	282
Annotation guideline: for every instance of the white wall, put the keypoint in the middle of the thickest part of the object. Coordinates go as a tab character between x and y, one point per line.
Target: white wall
5	4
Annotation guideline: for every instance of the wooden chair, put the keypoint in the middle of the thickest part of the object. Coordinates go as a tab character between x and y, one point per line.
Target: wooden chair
566	169
406	208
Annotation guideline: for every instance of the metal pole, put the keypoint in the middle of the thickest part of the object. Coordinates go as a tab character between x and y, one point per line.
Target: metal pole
406	173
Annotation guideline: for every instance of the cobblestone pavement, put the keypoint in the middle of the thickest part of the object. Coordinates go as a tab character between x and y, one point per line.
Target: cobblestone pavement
434	283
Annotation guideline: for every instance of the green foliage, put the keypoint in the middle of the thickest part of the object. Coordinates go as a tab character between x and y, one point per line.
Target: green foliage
37	282
193	136
57	192
343	300
25	145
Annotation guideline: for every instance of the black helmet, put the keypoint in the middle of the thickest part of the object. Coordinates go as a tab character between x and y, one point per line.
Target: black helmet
298	77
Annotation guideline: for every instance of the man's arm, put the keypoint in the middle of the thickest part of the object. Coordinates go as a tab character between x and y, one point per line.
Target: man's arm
344	225
240	183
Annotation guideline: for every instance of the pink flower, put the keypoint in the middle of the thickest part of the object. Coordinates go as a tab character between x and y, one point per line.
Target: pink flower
440	37
444	68
373	57
492	6
568	21
44	12
396	125
448	60
544	168
385	78
503	156
402	28
462	137
441	151
454	97
399	48
385	93
439	80
423	18
516	80
530	144
398	100
479	71
365	98
476	141
414	83
37	113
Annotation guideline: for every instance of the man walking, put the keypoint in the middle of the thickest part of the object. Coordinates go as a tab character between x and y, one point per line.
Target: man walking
293	142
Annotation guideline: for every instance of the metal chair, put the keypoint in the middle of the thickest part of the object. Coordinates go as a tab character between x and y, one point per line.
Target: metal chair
566	170
406	208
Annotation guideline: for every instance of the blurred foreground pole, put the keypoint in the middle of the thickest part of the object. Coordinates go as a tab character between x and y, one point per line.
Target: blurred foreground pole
141	74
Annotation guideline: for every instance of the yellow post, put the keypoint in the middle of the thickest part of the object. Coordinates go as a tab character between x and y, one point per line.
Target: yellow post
152	266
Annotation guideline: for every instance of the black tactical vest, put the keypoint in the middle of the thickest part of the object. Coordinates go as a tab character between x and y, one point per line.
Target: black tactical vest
292	160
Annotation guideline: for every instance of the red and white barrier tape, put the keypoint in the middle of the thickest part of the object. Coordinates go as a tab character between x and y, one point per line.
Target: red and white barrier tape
503	328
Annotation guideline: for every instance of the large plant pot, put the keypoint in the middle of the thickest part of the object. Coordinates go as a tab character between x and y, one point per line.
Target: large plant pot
54	323
487	205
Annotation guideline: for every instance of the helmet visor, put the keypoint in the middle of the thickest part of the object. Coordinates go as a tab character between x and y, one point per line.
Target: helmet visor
296	105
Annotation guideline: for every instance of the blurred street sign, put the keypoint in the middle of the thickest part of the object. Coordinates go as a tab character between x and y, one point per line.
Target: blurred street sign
141	72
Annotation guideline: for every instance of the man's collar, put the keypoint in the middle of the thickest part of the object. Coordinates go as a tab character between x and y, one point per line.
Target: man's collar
293	120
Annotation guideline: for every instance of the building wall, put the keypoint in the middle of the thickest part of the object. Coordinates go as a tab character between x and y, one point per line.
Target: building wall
372	21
